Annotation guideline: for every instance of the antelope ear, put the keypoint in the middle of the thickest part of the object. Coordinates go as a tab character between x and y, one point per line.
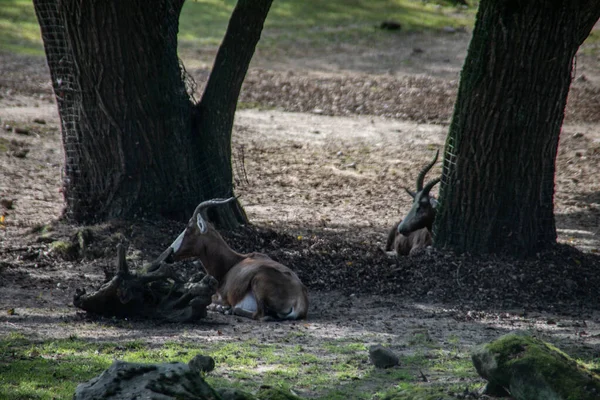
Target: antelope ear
410	192
201	224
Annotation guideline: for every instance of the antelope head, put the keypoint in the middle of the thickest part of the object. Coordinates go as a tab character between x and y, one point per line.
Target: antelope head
200	239
422	212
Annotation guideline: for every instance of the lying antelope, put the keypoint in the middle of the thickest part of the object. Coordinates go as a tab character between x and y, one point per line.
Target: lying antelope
254	285
414	231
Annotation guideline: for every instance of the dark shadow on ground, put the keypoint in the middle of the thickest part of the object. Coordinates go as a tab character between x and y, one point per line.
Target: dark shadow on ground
352	263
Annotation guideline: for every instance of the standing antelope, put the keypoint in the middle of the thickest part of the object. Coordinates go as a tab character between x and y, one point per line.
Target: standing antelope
414	231
254	285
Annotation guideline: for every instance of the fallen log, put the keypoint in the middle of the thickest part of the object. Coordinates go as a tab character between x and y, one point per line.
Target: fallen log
162	294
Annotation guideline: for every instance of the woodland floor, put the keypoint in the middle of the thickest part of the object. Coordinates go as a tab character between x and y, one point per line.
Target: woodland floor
323	144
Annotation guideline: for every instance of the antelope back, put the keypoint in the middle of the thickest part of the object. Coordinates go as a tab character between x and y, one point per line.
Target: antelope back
278	291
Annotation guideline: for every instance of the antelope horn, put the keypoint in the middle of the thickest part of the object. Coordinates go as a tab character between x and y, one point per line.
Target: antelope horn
430	185
200	211
424	171
410	192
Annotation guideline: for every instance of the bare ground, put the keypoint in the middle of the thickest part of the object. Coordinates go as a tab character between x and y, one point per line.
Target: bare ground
325	156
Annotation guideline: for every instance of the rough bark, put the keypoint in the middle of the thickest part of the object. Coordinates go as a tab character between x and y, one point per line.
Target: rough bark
134	141
497	192
216	109
161	294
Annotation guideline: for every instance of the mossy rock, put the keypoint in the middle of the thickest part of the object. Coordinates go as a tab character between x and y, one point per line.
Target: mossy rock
65	250
531	369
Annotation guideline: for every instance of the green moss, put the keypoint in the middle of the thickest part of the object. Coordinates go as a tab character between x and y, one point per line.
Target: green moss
65	250
518	352
4	143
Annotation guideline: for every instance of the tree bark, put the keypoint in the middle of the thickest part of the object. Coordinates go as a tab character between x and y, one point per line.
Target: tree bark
135	143
497	191
216	109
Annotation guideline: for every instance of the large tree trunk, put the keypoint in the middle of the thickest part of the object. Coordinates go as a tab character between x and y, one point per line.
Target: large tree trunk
130	131
497	191
219	101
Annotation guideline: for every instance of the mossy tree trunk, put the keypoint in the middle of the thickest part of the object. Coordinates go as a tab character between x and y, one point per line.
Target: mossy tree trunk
497	192
135	142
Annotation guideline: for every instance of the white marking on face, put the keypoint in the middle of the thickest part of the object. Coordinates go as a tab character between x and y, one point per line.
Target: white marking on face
201	224
177	243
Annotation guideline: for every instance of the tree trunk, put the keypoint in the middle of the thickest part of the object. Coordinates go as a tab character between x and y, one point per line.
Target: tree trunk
217	107
135	144
497	191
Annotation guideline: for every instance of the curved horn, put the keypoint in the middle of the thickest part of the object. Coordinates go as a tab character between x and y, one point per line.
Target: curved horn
430	185
410	192
424	171
201	209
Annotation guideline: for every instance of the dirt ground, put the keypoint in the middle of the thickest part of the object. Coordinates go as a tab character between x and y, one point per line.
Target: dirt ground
323	145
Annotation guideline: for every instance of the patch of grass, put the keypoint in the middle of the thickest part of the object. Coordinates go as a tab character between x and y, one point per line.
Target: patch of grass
4	144
427	391
19	29
290	22
293	25
333	369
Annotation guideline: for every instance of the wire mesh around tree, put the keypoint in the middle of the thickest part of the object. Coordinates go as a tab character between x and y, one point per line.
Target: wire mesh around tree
79	120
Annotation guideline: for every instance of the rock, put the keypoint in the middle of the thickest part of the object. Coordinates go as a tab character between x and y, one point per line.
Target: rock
21	131
494	390
40	121
202	363
126	381
530	369
382	357
7	203
577	135
21	153
390	25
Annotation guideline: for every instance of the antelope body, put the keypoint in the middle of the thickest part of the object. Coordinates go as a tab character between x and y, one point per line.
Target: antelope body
413	233
253	284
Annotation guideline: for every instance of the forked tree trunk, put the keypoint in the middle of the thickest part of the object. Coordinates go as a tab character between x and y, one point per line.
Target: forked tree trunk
131	133
497	192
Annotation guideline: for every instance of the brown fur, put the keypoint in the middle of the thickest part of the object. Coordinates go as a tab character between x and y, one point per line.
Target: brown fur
408	245
276	287
414	242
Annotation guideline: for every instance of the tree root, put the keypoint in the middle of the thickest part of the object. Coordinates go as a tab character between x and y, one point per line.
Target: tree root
161	294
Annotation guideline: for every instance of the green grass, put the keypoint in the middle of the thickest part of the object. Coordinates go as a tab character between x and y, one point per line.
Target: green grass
290	22
337	369
19	29
292	25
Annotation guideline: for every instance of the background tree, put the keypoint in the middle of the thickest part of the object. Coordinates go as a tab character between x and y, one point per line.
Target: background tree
135	142
497	191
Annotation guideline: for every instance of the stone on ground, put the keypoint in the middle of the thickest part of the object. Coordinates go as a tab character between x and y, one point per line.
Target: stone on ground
530	369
